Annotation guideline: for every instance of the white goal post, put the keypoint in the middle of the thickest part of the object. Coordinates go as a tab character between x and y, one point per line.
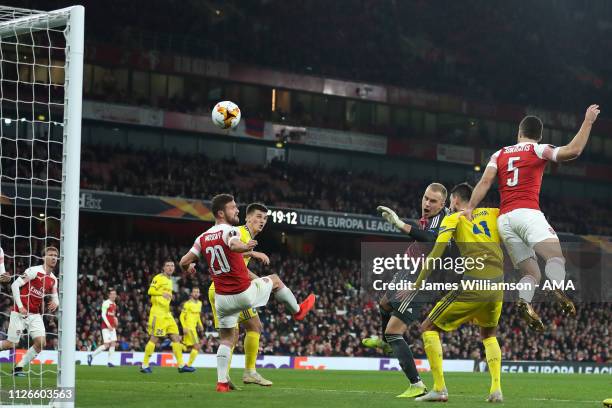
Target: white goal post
13	23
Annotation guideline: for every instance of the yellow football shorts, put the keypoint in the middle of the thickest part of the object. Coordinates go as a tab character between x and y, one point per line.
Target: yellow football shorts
162	325
451	311
245	315
190	337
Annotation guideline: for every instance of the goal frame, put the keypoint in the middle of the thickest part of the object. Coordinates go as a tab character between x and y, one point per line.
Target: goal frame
74	20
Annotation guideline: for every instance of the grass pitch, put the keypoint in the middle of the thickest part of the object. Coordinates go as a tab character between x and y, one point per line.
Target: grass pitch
126	387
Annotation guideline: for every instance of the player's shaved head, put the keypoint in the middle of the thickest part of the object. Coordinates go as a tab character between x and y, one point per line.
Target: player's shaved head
531	128
438	188
219	202
433	200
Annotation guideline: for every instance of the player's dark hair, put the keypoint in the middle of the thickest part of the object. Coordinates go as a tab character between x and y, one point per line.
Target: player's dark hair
112	290
168	260
256	206
49	248
463	191
531	128
219	201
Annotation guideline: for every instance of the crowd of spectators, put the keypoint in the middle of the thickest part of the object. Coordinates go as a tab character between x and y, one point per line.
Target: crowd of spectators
295	186
343	315
543	54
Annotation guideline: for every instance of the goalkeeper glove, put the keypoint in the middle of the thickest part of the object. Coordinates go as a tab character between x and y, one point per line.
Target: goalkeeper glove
391	217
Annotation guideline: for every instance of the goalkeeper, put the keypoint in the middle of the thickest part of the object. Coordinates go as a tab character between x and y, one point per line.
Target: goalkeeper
395	315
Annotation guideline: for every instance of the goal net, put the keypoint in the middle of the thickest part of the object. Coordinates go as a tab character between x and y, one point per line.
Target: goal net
41	65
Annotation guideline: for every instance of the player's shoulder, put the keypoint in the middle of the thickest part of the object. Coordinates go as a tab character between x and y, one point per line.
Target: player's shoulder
35	269
107	302
245	234
449	220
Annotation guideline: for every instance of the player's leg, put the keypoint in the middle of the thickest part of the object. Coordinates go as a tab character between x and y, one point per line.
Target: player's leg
104	346
253	328
16	327
38	344
193	354
284	295
149	348
235	339
433	349
447	315
394	334
488	318
191	343
226	341
111	349
171	329
36	328
550	250
523	258
385	310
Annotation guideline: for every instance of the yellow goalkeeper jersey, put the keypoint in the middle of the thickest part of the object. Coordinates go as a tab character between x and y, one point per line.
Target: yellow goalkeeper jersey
159	285
191	314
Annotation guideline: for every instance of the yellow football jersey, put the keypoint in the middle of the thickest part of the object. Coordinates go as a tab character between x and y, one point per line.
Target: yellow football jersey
159	285
190	315
477	240
245	236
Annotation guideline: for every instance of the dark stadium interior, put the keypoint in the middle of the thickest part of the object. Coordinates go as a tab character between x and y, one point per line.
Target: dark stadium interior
472	97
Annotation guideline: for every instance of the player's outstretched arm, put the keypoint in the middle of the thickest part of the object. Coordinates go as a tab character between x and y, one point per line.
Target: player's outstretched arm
409	228
481	190
574	149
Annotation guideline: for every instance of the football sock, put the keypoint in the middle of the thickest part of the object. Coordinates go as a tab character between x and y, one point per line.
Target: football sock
555	269
98	350
177	350
28	356
493	354
223	358
527	288
149	350
433	349
192	356
402	352
251	347
111	350
285	295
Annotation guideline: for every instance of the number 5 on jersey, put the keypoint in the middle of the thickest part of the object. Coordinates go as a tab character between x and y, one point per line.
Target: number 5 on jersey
217	254
511	168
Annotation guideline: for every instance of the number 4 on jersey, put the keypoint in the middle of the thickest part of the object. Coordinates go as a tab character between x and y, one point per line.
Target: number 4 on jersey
484	226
